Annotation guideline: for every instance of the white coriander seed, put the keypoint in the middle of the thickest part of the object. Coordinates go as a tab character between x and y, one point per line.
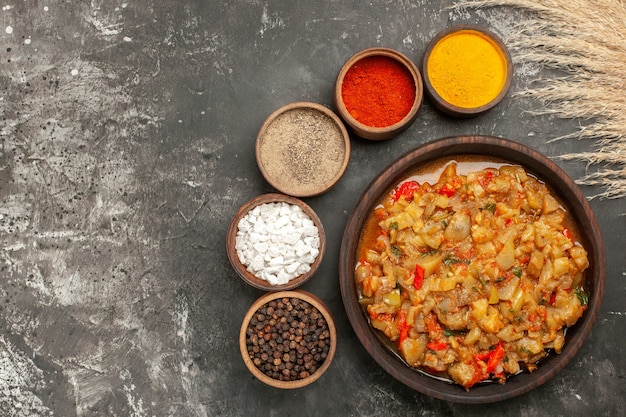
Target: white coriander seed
277	242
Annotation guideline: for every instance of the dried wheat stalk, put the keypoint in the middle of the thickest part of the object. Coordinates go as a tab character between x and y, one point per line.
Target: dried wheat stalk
585	39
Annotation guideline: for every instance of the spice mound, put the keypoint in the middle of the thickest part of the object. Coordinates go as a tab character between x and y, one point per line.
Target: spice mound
467	69
303	149
378	91
288	339
277	242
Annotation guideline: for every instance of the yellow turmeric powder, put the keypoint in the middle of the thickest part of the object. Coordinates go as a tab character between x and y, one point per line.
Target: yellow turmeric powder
467	69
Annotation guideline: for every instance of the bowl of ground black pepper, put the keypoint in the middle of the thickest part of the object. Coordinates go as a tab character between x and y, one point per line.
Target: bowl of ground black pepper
303	149
378	93
288	339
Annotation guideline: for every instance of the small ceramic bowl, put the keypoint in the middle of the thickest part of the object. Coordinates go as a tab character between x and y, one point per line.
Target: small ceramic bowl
316	350
467	70
303	149
402	67
234	229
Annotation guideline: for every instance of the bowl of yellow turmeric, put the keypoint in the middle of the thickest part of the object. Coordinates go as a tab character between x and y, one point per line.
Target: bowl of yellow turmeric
472	269
467	70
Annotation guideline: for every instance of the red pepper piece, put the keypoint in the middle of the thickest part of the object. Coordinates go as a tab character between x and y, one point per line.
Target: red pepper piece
402	326
418	278
552	298
496	356
406	190
567	233
490	358
437	345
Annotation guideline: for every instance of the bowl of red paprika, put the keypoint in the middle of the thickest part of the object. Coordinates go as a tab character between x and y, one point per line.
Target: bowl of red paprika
378	93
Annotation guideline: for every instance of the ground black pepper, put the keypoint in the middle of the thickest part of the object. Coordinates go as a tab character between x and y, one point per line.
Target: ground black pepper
288	339
302	151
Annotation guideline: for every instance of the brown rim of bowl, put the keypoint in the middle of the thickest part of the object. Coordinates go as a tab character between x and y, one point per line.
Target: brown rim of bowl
295	191
387	132
449	108
231	237
321	307
538	165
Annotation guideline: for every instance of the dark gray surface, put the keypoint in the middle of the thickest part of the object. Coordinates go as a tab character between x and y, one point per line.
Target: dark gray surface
127	144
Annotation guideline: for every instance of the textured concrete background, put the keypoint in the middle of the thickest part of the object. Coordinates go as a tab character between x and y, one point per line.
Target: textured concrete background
127	135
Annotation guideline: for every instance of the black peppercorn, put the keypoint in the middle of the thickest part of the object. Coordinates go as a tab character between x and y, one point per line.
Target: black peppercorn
284	339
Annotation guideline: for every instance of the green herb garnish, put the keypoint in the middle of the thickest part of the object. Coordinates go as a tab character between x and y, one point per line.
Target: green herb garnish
448	332
583	297
491	207
452	260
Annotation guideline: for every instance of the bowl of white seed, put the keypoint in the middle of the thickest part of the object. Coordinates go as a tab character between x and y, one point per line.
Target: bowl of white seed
275	242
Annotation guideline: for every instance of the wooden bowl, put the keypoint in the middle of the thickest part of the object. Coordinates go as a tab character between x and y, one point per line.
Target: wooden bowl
242	270
563	187
303	149
245	333
385	132
460	102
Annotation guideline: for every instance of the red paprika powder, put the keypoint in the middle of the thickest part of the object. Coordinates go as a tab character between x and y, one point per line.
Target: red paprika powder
378	91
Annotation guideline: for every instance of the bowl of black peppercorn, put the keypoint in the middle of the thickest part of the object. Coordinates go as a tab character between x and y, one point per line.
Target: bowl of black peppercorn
288	339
